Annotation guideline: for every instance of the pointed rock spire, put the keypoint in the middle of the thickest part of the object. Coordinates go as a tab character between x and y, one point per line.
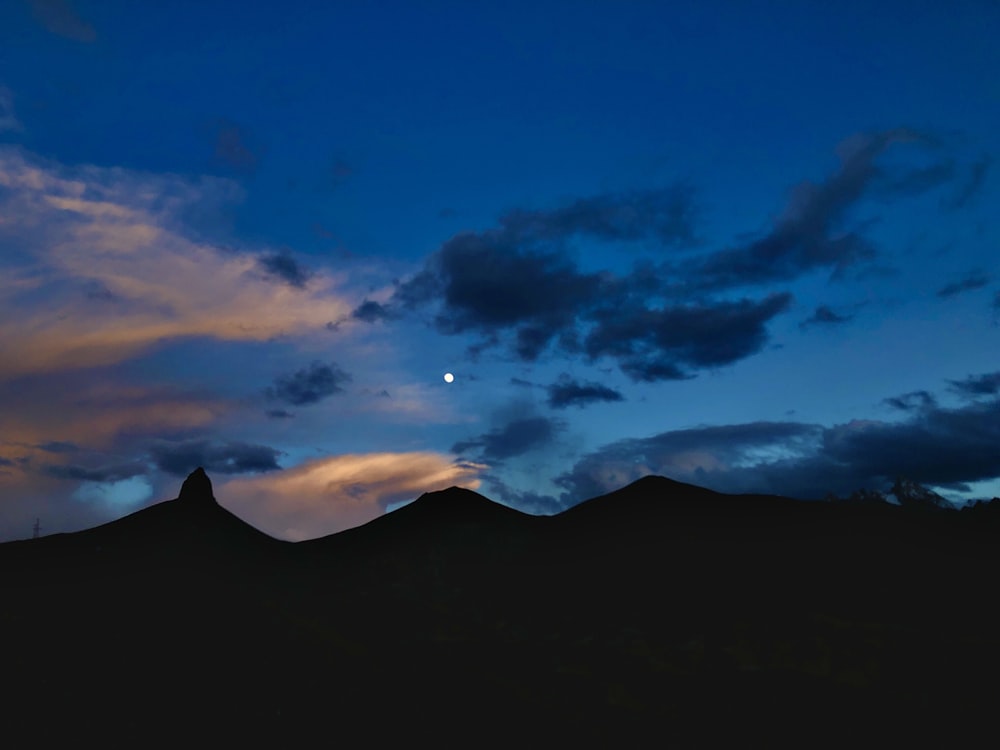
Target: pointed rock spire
197	488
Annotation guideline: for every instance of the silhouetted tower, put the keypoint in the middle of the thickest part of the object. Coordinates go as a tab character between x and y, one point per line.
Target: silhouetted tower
36	530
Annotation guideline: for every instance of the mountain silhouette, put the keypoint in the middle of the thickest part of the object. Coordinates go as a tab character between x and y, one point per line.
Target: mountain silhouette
659	614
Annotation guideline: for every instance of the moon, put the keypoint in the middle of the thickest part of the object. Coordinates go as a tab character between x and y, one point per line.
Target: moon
448	377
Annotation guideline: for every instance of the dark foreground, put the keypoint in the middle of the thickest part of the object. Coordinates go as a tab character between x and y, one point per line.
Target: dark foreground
662	615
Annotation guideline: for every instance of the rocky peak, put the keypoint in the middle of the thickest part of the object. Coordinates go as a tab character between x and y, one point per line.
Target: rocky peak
197	488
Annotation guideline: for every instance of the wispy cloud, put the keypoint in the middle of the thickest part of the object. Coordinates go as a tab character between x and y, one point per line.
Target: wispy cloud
568	391
972	281
974	386
812	233
75	229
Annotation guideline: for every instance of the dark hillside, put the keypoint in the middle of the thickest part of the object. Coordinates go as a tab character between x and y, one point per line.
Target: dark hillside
658	612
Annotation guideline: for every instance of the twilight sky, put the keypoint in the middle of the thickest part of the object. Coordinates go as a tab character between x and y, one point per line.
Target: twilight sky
750	245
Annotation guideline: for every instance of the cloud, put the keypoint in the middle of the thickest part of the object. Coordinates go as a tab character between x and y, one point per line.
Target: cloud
977	385
570	392
60	18
279	414
70	230
973	185
282	265
181	458
972	281
823	315
103	474
309	385
515	438
653	342
487	282
8	121
518	284
914	400
331	494
99	410
934	446
369	311
810	235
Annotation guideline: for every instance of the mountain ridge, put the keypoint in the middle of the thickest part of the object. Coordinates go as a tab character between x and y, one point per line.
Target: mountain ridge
659	610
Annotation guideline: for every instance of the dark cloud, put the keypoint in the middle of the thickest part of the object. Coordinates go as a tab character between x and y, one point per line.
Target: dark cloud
570	392
934	446
521	382
488	283
181	458
58	446
911	401
113	473
823	315
234	148
972	281
515	438
517	284
810	235
977	385
370	311
279	414
309	385
282	265
657	341
666	215
59	17
973	184
5	461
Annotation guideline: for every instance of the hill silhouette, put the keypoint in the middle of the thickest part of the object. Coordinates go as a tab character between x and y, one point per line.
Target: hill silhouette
659	614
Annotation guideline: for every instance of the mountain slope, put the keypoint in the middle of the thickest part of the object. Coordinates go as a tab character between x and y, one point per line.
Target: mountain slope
661	610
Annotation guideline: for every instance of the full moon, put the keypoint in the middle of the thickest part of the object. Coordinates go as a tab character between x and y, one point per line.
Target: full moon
448	377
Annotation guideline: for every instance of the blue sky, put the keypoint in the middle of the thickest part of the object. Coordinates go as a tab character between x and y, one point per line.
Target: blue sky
748	245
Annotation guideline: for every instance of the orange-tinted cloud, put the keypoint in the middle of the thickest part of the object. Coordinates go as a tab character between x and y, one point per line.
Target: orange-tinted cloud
99	270
331	494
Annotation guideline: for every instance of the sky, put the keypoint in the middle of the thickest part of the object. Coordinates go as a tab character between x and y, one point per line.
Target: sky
748	245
